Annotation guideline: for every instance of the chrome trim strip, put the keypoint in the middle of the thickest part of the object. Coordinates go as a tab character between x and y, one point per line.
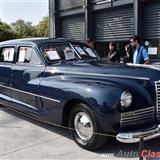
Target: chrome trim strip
157	106
156	99
134	137
144	66
51	99
5	97
24	104
98	74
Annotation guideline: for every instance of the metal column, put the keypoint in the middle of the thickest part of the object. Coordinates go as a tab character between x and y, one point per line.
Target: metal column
138	17
51	19
89	20
54	23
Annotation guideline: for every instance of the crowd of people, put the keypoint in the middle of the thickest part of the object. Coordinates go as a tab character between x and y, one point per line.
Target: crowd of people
135	52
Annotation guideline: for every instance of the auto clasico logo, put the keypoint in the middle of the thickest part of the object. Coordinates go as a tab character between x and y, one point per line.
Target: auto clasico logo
150	154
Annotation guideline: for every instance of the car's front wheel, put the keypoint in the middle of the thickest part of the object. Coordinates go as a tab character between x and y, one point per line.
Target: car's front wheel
85	128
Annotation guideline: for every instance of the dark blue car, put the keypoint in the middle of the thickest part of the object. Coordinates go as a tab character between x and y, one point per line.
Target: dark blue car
64	82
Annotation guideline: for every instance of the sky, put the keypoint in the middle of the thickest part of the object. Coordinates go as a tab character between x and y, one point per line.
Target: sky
28	10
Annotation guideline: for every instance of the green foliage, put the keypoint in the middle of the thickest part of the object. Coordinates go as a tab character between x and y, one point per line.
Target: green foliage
6	32
43	27
22	29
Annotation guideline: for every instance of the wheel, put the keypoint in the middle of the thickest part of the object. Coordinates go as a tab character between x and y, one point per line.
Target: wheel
83	126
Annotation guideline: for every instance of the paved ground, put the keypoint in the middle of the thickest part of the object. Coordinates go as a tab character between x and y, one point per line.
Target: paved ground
23	138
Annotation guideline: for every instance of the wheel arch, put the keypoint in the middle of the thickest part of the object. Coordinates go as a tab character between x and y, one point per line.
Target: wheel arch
68	107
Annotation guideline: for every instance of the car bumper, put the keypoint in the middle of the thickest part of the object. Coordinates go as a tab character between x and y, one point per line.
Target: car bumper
134	137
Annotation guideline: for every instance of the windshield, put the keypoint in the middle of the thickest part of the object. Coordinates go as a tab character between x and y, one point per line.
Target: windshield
84	51
68	51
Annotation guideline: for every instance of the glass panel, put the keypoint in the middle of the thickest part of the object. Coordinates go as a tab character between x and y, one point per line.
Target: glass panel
7	55
67	4
70	51
28	55
51	53
153	50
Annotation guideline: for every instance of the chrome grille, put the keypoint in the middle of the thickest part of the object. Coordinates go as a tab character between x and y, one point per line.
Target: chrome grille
158	99
138	117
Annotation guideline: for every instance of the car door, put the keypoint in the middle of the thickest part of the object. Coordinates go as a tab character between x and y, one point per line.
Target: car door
27	74
6	61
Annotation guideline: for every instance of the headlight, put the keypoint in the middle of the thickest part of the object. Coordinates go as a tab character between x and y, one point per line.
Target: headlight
126	99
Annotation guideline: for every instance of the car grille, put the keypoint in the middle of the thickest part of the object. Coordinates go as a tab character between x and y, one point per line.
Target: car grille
138	117
158	99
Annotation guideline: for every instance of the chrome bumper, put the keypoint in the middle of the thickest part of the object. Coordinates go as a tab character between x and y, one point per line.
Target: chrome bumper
135	136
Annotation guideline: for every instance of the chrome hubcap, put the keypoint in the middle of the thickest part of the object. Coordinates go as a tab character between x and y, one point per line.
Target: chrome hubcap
83	126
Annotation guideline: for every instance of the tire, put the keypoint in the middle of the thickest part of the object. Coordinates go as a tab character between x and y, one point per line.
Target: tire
83	125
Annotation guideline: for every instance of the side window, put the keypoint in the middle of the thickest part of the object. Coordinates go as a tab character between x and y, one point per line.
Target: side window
7	54
28	55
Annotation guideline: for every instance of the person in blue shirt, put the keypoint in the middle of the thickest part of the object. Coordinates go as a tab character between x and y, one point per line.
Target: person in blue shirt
140	55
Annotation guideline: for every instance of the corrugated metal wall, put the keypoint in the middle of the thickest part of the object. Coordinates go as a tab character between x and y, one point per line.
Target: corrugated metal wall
114	24
152	21
73	27
66	4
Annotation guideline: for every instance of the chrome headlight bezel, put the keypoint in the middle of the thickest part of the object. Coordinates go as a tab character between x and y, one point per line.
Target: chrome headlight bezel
126	99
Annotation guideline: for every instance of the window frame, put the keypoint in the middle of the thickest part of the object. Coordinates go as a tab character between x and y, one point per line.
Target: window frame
14	54
35	50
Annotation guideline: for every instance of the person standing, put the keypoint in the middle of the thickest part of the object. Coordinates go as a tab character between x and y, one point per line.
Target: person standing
128	54
113	54
90	43
140	55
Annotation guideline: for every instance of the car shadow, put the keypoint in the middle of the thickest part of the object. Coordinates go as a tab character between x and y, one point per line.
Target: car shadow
112	148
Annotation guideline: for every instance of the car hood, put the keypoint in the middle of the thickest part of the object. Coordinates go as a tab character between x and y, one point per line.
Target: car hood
107	69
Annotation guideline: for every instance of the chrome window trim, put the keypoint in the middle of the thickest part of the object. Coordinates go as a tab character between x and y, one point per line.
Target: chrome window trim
75	50
51	99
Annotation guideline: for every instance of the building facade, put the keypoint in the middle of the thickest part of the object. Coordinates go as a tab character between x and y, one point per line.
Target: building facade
106	21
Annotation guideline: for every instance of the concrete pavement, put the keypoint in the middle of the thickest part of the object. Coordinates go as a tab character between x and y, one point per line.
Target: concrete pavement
25	138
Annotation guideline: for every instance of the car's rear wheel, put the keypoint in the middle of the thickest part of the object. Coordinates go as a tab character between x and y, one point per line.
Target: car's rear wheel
85	128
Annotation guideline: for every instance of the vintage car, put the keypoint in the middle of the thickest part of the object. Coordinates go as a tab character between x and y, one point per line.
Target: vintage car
65	83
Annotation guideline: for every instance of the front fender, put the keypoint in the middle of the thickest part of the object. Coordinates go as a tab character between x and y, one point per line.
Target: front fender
101	96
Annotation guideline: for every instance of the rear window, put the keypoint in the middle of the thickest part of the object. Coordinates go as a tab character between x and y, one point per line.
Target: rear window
7	54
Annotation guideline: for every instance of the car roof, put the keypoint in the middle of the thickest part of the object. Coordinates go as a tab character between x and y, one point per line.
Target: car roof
38	41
